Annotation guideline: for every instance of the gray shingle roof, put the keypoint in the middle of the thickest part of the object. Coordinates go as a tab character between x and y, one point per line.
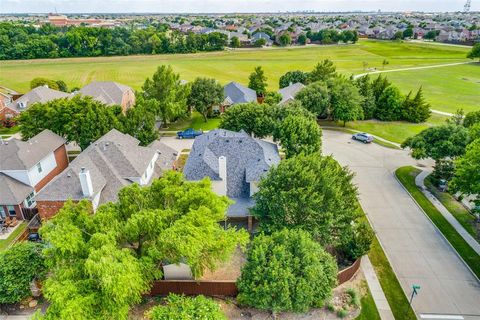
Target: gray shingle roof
238	93
113	160
23	155
166	155
40	94
107	92
289	93
12	192
248	159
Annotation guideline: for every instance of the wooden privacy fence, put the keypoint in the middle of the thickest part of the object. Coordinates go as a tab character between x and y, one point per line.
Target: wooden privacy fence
227	288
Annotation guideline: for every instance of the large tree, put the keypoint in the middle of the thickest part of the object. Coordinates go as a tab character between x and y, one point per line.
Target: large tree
253	118
102	263
204	95
466	178
313	193
139	121
475	52
345	100
323	71
365	88
286	271
298	134
170	96
292	77
315	98
389	104
415	109
258	81
471	119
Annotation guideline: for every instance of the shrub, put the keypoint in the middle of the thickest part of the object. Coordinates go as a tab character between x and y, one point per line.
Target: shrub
19	265
286	271
342	313
186	308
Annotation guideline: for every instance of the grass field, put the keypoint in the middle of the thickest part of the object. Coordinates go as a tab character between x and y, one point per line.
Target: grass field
406	175
236	65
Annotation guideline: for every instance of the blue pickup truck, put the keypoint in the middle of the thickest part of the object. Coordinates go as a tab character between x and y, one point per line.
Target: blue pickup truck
189	134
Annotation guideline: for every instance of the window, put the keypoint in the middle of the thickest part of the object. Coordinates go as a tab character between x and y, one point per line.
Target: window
3	215
30	200
39	167
11	211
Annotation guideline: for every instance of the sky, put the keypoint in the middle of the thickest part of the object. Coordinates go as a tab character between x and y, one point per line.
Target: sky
227	6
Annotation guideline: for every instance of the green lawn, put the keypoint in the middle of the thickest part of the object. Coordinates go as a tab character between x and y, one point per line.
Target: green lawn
369	309
196	122
466	219
407	175
236	65
5	243
9	131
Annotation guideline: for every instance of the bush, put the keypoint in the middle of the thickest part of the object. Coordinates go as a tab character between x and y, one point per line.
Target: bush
186	308
19	265
342	313
286	271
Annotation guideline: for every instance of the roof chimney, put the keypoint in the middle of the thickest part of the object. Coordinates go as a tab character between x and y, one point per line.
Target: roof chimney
86	182
222	173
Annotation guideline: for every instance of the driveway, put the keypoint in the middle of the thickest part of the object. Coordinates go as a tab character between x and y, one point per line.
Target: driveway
416	250
177	144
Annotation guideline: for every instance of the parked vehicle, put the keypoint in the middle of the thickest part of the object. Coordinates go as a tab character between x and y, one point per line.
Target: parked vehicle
363	137
189	134
442	185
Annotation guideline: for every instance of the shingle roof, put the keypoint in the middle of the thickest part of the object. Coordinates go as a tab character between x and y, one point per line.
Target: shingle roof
40	94
238	93
248	159
12	192
289	93
166	155
107	92
23	155
113	161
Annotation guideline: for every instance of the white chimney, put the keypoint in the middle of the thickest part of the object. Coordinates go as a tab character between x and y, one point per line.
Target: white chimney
86	182
222	172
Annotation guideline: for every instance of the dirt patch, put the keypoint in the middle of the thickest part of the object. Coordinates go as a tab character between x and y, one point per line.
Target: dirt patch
230	270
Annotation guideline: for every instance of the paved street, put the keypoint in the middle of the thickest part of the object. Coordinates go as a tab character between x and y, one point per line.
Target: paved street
416	250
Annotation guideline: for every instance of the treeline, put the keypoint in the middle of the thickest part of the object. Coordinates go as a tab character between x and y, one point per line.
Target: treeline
27	42
330	36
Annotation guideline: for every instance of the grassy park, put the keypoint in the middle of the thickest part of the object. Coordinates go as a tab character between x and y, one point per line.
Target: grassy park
236	65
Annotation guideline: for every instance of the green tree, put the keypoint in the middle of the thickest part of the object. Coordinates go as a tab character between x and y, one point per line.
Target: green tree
302	39
298	134
285	40
323	71
319	198
315	98
389	104
417	109
37	82
204	95
384	63
431	35
471	119
235	42
345	100
139	121
272	98
286	271
252	118
365	88
258	81
398	35
408	33
62	86
378	86
170	96
260	43
102	263
292	77
466	178
19	266
475	52
186	308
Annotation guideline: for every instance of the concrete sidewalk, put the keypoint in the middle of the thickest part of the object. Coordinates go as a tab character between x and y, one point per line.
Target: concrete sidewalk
420	182
376	290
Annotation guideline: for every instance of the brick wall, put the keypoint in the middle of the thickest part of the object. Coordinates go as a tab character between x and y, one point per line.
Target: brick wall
47	209
62	162
6	112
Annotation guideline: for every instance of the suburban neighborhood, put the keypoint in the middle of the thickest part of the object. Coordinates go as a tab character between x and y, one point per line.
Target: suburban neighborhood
269	162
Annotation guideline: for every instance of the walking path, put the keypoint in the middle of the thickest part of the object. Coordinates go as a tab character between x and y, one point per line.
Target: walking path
376	290
420	182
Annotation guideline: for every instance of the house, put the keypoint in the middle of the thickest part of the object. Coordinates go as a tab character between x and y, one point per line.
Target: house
236	93
288	93
262	35
235	162
98	173
26	167
110	93
41	94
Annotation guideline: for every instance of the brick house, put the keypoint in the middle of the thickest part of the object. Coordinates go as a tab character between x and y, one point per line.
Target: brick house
110	93
98	173
26	167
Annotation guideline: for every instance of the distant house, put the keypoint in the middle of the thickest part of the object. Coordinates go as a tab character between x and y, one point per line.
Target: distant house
262	35
101	170
288	93
236	93
41	94
26	167
110	93
235	162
